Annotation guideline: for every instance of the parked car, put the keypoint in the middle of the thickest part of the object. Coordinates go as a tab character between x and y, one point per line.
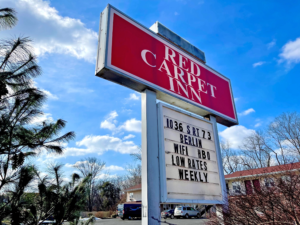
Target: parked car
130	210
48	220
119	209
167	213
186	212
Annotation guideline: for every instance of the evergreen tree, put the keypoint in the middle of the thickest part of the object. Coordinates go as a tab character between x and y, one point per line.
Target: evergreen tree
20	103
110	195
7	18
55	199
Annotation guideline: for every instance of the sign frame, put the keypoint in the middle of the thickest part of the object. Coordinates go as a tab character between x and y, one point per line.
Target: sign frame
162	165
106	70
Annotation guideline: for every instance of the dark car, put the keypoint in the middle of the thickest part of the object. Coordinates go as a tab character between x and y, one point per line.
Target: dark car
167	213
48	220
130	210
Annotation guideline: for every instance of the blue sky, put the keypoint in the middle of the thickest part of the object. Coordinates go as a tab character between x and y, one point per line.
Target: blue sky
254	43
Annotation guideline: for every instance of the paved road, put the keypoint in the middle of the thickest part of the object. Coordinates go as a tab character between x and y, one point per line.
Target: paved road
138	222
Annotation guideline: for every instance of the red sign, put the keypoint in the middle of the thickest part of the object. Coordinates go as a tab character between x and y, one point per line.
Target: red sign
140	54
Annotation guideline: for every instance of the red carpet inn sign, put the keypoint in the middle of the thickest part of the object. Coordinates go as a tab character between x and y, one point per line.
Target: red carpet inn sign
136	57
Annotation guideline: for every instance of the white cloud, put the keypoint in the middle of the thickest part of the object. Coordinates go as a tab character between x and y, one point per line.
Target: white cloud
78	163
287	148
127	111
109	168
112	167
80	90
104	176
246	112
132	125
45	107
70	151
271	44
258	64
98	145
128	136
134	96
235	135
291	52
46	117
51	32
107	125
257	125
69	165
49	94
110	122
288	143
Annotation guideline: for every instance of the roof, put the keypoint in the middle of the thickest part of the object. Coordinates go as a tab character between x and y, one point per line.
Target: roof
176	39
133	202
265	170
134	188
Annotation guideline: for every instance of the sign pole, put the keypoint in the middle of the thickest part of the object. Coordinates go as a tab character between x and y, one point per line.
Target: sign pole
150	160
219	156
219	208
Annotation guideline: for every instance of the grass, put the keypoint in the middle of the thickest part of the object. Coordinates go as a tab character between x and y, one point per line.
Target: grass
99	214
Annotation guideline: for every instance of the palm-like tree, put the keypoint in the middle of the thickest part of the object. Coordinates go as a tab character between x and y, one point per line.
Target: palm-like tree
17	69
7	18
62	201
20	104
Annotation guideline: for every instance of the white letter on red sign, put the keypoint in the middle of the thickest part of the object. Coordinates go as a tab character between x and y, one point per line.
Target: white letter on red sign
182	62
181	74
167	54
192	69
165	67
201	84
212	90
144	57
191	79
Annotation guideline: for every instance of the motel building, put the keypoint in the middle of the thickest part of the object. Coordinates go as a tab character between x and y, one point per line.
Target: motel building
240	182
134	193
246	181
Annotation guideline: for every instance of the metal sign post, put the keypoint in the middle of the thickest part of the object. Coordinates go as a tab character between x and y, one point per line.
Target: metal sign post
219	207
150	162
219	156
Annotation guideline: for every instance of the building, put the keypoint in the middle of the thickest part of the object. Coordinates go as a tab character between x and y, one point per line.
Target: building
247	181
134	193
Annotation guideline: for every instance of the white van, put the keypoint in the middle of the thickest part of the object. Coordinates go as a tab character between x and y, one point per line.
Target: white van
186	212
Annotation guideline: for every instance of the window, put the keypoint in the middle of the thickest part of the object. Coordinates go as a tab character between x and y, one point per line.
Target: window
248	186
130	195
269	182
256	184
236	187
184	208
188	208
